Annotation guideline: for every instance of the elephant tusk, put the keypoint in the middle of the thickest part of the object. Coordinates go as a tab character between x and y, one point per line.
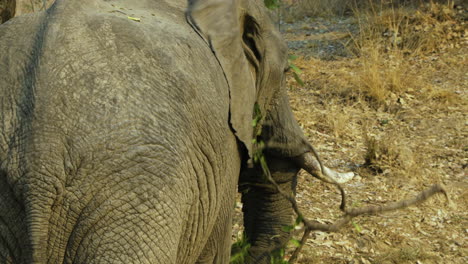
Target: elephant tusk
339	177
310	163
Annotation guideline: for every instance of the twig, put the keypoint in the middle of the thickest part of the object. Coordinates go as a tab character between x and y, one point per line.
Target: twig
349	213
305	236
422	196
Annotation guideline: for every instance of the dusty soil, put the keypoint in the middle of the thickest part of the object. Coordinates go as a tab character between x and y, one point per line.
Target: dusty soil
418	137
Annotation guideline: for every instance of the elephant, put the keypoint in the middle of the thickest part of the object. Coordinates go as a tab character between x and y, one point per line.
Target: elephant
126	130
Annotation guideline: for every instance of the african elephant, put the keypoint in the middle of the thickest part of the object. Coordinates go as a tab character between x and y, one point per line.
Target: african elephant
126	128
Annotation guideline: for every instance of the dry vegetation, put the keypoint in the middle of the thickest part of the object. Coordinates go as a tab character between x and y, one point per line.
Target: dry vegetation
394	109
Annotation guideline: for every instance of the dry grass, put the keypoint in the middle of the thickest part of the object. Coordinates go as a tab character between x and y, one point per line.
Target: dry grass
397	110
429	28
404	255
391	154
388	39
382	76
297	9
387	35
301	8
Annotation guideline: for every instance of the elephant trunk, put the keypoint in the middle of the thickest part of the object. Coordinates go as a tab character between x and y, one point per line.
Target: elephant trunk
267	212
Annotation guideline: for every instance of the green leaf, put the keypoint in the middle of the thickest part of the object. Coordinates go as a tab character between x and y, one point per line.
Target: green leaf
295	242
384	122
287	228
271	4
257	115
298	220
257	111
357	227
298	79
295	68
254	122
134	19
240	249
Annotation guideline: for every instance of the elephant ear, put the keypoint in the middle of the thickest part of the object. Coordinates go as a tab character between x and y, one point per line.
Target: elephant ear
217	21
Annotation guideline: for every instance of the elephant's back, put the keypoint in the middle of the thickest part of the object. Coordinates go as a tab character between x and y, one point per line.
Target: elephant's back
100	82
101	70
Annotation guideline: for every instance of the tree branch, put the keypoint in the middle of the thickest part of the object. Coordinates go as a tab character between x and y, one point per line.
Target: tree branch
348	213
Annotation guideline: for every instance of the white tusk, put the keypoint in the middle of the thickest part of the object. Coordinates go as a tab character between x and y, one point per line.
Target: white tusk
339	177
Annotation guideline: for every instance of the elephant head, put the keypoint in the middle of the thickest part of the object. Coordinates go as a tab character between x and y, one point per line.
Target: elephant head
250	51
253	56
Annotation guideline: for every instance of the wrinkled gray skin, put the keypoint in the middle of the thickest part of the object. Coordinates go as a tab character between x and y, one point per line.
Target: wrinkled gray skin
123	141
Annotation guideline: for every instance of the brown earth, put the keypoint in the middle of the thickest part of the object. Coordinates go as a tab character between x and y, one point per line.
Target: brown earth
398	144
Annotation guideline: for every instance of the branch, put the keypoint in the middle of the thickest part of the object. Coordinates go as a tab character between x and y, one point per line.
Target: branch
421	197
305	161
349	213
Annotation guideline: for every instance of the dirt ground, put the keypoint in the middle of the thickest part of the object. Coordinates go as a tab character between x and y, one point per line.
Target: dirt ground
415	137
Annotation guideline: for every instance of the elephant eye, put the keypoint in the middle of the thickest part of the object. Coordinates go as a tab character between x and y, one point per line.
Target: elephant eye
287	69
